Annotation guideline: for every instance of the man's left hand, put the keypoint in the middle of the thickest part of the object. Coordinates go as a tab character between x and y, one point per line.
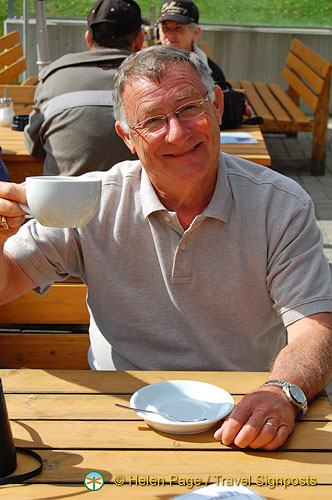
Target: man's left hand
263	419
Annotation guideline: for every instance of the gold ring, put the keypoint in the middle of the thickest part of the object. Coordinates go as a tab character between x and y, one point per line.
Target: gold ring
4	222
273	425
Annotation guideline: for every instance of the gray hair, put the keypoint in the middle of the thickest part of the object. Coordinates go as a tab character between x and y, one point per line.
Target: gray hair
150	63
193	26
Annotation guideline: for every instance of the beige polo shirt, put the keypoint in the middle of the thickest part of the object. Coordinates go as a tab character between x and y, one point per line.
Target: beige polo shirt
213	297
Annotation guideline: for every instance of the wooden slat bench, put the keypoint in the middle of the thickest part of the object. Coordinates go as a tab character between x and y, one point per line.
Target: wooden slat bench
309	77
12	60
12	64
30	331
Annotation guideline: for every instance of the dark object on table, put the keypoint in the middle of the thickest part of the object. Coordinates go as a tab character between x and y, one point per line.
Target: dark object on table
19	122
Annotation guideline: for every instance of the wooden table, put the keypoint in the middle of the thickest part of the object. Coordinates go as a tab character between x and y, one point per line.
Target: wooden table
69	417
21	165
257	153
15	156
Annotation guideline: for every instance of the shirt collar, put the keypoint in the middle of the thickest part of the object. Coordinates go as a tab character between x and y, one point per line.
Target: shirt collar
150	200
220	204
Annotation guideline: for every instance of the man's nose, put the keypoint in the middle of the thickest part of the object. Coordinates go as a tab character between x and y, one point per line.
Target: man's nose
171	34
177	129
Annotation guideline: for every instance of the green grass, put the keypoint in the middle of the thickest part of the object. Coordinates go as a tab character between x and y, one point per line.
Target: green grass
3	14
302	13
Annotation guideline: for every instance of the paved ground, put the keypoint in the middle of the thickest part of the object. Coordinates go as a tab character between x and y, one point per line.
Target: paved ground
282	149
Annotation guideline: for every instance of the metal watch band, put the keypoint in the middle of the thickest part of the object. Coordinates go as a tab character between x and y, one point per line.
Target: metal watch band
302	407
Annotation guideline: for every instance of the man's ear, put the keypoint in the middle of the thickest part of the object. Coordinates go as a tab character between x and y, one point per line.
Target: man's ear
88	39
218	102
196	34
125	137
138	41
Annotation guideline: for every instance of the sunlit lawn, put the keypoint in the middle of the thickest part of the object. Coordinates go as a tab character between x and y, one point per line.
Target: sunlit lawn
304	13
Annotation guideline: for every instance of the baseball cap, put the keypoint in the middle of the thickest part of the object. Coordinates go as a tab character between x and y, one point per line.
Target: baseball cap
122	16
181	11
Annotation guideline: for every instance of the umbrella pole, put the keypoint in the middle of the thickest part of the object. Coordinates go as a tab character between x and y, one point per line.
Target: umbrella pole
42	41
25	31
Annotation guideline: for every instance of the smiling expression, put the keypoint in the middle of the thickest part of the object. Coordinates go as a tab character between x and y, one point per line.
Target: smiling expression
182	151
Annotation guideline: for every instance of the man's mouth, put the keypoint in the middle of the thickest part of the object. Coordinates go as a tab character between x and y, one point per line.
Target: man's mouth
183	152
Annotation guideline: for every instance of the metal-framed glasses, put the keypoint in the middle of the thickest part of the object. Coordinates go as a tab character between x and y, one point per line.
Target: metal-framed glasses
186	112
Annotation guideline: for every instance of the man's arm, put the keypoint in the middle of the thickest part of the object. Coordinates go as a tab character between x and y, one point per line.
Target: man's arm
307	362
13	280
32	137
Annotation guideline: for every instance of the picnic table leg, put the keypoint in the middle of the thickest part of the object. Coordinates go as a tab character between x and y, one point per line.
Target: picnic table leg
319	137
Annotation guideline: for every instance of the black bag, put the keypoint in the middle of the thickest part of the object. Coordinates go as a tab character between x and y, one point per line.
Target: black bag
234	108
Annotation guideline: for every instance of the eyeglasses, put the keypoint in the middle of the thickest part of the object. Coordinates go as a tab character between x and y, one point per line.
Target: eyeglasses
186	112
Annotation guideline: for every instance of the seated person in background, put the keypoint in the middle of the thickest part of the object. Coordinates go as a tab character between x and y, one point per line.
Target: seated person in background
178	27
4	176
196	260
72	124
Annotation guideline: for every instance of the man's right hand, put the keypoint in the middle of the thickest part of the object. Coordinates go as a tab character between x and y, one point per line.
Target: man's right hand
11	214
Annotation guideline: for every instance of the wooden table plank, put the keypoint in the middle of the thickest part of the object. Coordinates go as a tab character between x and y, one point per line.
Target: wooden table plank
83	381
99	406
98	434
257	154
59	491
74	464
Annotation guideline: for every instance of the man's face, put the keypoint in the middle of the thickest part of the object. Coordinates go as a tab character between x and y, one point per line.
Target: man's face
181	151
178	35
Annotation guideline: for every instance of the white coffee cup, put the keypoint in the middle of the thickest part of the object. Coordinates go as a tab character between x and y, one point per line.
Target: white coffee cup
62	201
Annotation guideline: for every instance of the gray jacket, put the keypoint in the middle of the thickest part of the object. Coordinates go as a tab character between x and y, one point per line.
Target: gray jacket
72	125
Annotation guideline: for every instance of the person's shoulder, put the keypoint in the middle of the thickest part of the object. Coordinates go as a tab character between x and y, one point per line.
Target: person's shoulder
217	74
128	171
260	176
85	57
63	61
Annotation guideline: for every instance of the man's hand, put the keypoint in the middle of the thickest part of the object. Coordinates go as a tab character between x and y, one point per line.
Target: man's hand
10	195
263	419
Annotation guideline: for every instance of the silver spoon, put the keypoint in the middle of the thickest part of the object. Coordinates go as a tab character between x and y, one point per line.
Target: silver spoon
160	413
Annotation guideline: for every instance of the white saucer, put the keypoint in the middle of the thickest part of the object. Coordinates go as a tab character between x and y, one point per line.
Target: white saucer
183	399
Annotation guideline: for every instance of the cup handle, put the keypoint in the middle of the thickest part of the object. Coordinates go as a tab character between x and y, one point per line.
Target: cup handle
25	208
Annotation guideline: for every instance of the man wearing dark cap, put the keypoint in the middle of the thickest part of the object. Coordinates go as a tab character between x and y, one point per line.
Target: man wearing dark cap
72	124
178	27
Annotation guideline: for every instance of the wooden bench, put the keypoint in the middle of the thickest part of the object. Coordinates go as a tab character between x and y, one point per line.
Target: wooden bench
12	61
308	76
12	64
29	335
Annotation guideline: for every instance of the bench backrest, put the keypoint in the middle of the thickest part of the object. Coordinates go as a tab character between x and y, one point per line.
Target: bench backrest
12	61
25	338
64	304
308	75
44	350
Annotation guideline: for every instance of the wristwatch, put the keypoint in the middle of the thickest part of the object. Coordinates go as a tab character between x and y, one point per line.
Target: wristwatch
294	394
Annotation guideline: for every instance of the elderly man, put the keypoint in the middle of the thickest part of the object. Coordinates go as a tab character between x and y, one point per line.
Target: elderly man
178	27
72	125
196	259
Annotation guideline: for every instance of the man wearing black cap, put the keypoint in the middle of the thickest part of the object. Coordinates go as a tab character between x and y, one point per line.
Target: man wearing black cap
72	124
178	27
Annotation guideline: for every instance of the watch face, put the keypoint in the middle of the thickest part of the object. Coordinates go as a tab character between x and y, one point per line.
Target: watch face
297	394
